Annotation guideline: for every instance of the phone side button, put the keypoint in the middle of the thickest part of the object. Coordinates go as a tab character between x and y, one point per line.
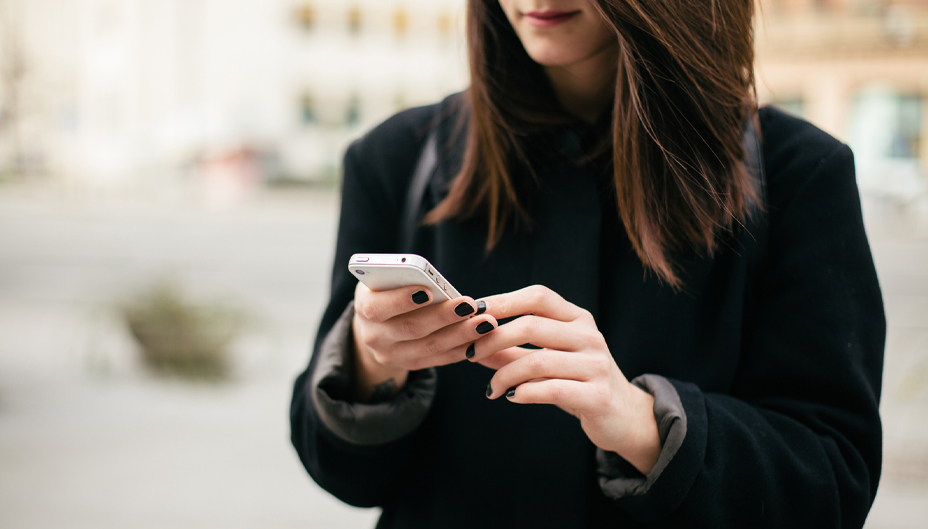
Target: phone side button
362	259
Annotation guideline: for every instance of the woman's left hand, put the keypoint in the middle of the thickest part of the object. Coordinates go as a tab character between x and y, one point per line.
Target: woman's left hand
574	371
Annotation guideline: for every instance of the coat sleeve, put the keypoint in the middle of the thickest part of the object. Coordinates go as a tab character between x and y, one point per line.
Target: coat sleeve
376	171
797	440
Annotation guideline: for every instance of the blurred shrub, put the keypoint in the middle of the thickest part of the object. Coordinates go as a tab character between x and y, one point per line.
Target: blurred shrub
179	338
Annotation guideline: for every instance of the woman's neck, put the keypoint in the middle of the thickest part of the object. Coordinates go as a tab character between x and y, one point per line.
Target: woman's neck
586	88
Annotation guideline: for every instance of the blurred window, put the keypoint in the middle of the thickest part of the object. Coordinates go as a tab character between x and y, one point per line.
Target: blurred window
354	19
400	22
444	25
908	134
885	130
307	110
305	16
886	124
399	101
794	105
353	111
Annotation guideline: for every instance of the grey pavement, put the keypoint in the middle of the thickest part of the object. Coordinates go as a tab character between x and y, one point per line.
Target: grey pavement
88	439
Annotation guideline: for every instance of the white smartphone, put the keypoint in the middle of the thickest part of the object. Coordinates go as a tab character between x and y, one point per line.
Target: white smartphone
386	271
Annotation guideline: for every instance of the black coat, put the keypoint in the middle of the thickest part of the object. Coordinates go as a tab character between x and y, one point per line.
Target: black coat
775	347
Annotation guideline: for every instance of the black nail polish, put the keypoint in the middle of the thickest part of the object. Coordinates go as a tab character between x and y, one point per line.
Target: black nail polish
463	309
470	352
489	389
485	327
511	393
481	307
420	297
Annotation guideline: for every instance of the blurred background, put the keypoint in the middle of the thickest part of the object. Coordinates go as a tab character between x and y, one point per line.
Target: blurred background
168	197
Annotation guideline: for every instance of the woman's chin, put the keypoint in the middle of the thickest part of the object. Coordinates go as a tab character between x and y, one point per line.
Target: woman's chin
555	54
552	57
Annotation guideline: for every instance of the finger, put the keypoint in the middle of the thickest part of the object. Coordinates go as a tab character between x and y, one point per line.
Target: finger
506	356
536	299
450	356
427	320
455	337
541	332
569	395
545	363
386	304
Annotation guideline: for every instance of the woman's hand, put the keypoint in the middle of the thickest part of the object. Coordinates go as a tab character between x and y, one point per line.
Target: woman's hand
397	331
575	371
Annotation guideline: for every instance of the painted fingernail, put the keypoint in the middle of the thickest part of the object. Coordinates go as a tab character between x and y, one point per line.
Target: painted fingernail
481	307
420	297
485	327
511	393
463	309
470	352
489	389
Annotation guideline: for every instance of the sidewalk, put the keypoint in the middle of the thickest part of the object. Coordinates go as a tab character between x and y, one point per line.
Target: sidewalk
86	438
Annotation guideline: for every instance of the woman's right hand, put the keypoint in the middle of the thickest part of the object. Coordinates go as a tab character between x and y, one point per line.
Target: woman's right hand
398	331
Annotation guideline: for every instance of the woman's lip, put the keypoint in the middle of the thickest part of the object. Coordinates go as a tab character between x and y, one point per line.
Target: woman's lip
547	19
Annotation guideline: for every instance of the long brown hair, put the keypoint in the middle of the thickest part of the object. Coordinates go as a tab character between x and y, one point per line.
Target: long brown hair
684	90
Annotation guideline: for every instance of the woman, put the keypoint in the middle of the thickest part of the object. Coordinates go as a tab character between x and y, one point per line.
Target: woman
718	335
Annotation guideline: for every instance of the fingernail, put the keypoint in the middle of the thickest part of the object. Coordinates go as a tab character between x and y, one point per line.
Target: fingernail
420	297
511	393
485	327
463	309
481	307
489	389
470	352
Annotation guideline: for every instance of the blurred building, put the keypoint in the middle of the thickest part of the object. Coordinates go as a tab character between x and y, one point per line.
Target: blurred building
116	89
859	70
242	91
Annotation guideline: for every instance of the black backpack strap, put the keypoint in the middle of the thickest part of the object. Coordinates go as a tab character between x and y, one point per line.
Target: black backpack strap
754	159
428	160
754	162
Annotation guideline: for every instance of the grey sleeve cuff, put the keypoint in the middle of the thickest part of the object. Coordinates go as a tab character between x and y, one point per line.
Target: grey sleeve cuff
364	424
617	477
